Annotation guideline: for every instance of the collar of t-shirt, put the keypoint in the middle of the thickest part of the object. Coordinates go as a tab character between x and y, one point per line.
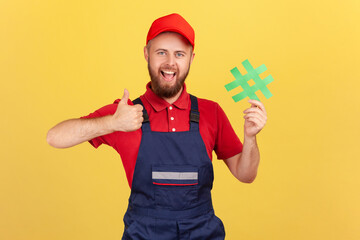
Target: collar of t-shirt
165	117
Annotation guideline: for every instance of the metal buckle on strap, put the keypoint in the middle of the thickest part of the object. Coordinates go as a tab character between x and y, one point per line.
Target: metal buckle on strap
146	117
194	116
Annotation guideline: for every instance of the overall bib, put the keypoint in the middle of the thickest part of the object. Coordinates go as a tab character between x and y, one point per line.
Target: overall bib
171	189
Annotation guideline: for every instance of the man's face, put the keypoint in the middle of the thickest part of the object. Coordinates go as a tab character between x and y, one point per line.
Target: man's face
169	56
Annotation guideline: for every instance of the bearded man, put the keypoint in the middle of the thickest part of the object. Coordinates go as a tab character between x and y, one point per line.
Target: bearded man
165	139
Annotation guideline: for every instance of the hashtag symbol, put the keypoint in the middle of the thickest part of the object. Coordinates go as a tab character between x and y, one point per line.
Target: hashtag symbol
242	80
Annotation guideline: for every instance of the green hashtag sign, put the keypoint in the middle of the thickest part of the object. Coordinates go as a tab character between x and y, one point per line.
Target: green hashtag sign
242	80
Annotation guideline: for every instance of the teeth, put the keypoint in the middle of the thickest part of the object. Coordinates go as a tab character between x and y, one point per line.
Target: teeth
168	72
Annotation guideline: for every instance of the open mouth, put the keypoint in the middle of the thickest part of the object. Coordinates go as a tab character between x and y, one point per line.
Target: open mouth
168	75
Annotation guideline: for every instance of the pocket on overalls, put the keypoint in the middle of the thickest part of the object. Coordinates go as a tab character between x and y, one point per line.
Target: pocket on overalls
176	187
136	227
130	231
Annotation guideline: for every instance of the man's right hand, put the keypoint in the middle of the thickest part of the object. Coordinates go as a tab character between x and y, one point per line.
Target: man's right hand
127	118
71	132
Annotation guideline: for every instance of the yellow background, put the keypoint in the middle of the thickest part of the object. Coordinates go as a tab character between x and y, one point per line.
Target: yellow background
64	59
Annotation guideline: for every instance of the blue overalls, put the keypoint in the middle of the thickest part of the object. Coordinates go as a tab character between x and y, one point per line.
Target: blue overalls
170	196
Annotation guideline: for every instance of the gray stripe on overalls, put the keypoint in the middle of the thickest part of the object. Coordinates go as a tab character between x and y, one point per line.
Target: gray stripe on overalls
175	175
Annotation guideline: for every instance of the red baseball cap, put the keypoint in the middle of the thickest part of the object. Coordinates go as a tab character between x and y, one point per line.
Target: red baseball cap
172	23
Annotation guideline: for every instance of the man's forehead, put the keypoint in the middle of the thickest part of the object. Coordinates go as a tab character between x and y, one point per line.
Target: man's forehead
162	37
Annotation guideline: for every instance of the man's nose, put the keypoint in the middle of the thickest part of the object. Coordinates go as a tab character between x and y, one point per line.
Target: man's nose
171	60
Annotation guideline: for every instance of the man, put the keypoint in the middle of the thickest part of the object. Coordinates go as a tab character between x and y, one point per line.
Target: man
166	140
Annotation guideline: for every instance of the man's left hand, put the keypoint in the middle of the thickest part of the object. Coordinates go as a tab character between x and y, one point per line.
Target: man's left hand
255	118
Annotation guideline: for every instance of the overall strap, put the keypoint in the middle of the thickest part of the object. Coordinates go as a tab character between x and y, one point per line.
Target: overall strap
194	114
146	123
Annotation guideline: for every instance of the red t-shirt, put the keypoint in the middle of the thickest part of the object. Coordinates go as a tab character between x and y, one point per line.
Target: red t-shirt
215	128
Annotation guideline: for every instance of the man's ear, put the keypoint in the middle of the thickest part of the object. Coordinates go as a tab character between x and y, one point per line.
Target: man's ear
146	54
192	57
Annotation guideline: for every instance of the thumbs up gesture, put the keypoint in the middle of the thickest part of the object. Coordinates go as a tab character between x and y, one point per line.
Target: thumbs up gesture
127	118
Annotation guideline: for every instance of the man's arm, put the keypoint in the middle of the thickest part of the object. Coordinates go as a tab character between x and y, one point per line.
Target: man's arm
71	132
244	165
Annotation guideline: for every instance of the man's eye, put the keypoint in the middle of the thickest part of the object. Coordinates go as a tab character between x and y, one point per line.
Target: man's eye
179	54
161	53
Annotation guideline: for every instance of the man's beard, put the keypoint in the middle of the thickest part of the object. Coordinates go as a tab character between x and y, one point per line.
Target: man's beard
165	91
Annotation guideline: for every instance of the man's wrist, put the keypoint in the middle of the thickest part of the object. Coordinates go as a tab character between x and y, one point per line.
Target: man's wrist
107	124
250	139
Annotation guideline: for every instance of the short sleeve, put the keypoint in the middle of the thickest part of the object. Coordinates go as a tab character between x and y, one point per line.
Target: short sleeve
104	111
227	143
